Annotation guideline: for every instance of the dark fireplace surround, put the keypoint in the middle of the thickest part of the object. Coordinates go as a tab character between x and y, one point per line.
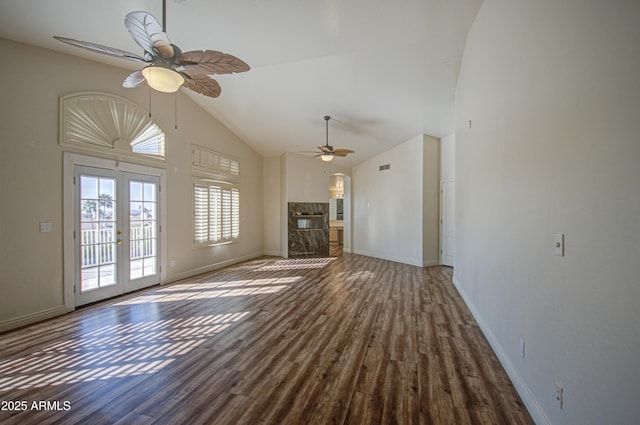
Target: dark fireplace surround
308	229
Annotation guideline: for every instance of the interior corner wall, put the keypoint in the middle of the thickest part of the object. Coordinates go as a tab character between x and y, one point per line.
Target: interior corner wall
308	178
430	200
547	109
387	205
31	160
271	187
284	231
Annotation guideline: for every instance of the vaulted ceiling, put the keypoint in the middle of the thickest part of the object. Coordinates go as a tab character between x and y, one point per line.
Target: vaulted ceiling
384	70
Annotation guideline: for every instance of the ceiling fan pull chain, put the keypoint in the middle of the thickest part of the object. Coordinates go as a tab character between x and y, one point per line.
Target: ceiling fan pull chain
175	111
149	87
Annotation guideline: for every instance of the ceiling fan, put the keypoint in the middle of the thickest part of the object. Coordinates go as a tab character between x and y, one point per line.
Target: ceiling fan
327	152
168	67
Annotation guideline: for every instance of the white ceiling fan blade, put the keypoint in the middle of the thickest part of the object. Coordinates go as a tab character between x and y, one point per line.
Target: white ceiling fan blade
99	48
148	33
135	79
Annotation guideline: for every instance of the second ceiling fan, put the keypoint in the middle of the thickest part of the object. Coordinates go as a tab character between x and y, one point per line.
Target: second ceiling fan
327	152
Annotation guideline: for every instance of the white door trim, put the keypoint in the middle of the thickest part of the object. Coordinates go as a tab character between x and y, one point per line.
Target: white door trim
444	223
70	160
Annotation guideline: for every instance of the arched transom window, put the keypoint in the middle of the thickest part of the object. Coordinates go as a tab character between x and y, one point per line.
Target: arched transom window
103	121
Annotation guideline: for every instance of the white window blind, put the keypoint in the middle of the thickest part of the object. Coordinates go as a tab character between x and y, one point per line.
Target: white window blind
216	212
99	121
214	162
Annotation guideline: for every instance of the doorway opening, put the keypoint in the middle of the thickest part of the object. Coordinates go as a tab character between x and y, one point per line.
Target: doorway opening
336	214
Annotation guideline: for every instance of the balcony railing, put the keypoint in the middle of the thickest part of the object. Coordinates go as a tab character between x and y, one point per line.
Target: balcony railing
98	245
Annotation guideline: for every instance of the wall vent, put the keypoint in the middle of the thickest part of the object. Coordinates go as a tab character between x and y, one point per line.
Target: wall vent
384	167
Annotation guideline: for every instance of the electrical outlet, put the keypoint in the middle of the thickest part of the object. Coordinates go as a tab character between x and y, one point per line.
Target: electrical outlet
522	348
559	394
172	263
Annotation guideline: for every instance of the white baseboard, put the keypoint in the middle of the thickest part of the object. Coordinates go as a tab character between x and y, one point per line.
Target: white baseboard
28	319
532	405
389	257
426	263
272	253
214	266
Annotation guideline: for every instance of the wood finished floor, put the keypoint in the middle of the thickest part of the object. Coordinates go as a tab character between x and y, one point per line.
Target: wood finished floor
347	340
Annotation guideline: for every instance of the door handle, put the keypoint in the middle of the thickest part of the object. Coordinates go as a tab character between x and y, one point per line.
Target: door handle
119	241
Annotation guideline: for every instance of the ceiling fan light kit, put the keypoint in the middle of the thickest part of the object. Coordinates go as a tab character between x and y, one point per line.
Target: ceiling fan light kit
163	79
326	157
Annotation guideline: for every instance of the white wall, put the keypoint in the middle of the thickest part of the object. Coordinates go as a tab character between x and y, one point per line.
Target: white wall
447	196
551	90
387	205
31	263
347	222
448	158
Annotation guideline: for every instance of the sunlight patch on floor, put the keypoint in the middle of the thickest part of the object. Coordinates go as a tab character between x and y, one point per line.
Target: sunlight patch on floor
113	351
215	289
299	263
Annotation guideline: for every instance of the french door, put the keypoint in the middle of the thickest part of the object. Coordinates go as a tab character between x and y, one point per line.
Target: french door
116	232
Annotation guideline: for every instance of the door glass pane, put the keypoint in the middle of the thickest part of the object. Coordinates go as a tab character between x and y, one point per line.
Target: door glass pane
135	191
97	224
142	229
150	192
149	209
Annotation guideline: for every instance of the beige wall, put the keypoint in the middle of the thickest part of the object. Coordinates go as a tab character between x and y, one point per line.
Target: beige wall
302	179
430	200
31	273
272	199
308	178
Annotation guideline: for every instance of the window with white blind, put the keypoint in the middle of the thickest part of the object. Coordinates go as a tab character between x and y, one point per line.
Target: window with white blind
216	212
212	162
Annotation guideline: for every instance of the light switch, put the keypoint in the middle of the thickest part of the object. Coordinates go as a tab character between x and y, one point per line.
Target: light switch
559	244
45	227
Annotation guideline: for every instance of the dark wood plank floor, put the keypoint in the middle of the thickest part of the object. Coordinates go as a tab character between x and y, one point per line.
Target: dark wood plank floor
347	340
